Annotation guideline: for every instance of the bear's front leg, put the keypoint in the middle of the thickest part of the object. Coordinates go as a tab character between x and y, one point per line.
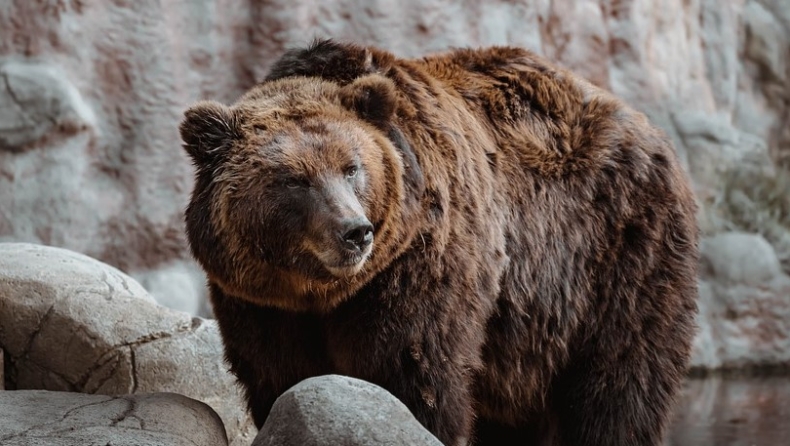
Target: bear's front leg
421	351
269	350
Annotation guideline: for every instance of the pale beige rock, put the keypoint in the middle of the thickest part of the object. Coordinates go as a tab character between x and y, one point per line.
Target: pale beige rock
338	410
36	101
705	353
71	323
741	258
716	147
744	317
40	417
180	285
766	40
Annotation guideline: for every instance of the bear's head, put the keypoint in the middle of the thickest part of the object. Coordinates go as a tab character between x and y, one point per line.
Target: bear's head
299	194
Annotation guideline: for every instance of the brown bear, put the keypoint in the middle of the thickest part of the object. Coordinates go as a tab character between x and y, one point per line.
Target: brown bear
506	248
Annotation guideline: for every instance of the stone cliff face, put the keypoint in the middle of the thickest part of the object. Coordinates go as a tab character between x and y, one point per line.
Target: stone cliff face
91	93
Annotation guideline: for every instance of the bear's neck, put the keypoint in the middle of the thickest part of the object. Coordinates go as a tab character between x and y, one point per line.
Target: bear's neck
292	291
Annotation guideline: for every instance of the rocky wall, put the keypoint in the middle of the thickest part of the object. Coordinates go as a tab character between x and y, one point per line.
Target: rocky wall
91	92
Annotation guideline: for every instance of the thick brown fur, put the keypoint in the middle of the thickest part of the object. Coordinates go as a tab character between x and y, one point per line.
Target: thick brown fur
532	278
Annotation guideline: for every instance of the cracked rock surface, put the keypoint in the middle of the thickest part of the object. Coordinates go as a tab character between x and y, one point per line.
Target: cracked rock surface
334	409
64	418
71	323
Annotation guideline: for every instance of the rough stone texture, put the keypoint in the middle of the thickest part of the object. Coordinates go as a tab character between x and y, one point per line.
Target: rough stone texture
744	307
71	323
179	285
91	93
29	417
334	409
36	101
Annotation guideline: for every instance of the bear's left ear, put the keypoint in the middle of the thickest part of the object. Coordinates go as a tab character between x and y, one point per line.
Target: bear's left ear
372	97
206	130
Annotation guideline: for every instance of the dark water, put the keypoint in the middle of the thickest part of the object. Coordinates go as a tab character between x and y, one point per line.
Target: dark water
748	411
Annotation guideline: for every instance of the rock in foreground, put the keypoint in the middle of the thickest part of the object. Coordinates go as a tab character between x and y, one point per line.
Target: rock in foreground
64	418
71	323
335	409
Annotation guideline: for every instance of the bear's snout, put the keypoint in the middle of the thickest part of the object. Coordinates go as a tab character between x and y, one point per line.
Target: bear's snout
356	234
342	243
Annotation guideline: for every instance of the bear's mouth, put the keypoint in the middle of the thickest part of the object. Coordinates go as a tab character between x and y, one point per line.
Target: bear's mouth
343	263
344	271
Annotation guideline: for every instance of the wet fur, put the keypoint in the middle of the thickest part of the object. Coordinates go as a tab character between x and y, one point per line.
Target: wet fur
533	276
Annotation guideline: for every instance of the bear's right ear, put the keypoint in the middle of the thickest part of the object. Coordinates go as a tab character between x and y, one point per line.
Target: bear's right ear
206	130
373	98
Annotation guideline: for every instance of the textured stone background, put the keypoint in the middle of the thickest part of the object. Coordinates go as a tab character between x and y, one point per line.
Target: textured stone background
91	92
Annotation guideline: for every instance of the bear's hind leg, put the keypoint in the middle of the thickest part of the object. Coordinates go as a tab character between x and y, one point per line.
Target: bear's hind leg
620	403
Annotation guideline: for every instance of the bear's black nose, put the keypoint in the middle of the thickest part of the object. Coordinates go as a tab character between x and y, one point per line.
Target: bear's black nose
357	233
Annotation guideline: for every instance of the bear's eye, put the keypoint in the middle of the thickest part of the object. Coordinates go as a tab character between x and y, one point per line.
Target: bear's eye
351	171
294	183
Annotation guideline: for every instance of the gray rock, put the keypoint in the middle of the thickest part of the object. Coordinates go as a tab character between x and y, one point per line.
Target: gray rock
739	257
179	285
705	353
715	146
71	323
35	99
338	410
766	40
31	417
744	310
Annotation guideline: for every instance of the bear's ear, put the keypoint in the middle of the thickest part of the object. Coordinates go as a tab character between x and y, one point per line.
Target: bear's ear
372	97
206	130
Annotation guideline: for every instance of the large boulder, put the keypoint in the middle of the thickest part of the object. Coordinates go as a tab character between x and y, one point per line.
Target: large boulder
29	417
71	323
335	409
